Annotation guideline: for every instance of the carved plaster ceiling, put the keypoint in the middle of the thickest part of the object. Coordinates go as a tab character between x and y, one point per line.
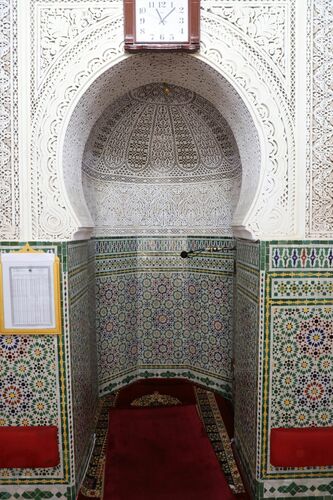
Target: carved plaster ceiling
161	132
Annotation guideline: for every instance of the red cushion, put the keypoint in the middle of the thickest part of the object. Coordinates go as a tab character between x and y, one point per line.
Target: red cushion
27	447
303	447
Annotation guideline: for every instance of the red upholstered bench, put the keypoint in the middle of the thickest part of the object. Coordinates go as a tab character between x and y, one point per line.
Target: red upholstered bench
302	447
29	447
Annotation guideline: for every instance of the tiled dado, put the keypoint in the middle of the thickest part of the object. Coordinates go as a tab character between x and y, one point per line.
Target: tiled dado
283	358
157	312
35	382
81	289
300	255
297	354
248	253
304	288
37	492
246	352
307	489
174	315
145	372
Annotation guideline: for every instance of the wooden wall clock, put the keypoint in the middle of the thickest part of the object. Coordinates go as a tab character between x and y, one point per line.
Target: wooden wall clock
162	25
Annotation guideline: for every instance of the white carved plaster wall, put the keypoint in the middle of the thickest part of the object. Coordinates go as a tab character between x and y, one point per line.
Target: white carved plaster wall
320	121
183	70
247	53
9	165
161	160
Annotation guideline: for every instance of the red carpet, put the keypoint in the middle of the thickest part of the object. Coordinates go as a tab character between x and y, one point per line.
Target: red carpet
178	388
161	454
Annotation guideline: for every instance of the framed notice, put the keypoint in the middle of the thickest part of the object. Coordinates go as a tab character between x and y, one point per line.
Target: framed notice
29	292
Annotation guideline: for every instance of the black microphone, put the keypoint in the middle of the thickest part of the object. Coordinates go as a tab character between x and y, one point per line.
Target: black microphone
185	254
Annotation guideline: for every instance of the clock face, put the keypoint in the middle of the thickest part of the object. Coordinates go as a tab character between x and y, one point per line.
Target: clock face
158	21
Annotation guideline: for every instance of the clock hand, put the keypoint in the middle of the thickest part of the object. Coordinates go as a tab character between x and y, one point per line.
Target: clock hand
171	11
159	15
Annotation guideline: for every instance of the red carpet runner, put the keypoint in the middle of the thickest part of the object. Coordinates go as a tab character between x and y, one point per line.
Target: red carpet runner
161	453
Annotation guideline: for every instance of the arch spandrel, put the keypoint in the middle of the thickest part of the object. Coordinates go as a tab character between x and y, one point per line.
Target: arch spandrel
237	76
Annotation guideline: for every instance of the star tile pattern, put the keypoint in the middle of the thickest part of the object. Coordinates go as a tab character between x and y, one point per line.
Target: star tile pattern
157	310
34	390
296	354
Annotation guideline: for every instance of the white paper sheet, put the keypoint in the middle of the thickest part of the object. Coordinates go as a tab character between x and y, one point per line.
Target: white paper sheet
28	285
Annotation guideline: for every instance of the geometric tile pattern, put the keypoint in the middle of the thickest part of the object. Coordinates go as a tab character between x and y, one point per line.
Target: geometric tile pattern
246	351
158	311
302	366
29	388
151	244
298	384
307	489
294	358
248	253
302	288
37	492
305	256
81	286
33	389
246	374
28	380
248	280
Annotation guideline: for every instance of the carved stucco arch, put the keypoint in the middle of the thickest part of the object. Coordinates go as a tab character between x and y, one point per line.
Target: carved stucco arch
267	201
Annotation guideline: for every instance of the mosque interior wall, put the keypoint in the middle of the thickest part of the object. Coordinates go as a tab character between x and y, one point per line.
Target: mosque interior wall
268	323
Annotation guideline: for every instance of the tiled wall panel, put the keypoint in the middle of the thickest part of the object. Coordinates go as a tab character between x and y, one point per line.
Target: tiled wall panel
81	286
158	312
34	390
297	349
246	352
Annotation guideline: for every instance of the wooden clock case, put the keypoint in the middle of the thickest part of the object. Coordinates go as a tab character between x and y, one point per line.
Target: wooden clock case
192	45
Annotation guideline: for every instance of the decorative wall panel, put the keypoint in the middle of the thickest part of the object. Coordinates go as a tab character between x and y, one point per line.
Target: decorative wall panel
9	179
265	25
61	25
302	363
161	159
297	351
320	179
246	345
29	389
160	313
283	357
35	391
245	68
81	287
307	256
